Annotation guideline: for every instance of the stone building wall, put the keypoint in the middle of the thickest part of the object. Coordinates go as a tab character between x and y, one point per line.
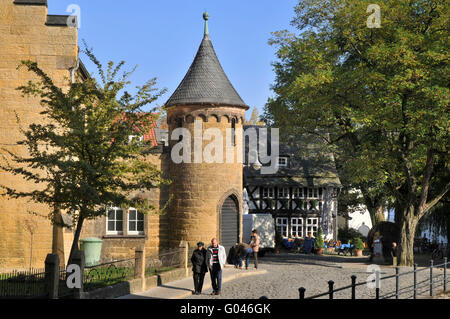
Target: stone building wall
155	237
27	33
199	189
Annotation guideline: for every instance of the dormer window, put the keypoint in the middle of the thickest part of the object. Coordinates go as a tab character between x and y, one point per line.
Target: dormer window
282	161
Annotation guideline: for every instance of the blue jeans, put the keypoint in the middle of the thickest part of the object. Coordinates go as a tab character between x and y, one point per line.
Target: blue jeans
216	277
248	252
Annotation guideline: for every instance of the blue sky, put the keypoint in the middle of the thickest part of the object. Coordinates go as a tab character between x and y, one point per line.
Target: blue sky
161	37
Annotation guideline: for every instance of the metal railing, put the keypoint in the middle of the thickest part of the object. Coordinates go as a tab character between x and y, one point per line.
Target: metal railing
23	284
108	274
157	263
417	289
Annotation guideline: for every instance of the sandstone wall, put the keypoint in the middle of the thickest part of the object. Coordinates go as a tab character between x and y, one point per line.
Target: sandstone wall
24	35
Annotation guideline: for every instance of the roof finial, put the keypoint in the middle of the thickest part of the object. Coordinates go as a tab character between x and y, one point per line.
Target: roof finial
206	17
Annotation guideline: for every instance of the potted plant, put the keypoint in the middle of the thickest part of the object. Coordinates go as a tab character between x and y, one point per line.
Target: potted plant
319	242
358	246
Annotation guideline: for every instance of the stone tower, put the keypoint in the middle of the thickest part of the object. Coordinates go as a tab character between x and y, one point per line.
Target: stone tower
206	195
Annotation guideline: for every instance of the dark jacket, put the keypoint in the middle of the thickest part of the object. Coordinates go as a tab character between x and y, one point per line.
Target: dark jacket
198	259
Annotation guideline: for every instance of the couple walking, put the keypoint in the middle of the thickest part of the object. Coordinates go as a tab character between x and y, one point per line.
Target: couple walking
213	259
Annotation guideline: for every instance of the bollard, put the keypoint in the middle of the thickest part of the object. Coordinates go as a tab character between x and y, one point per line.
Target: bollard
377	282
431	277
301	292
397	280
330	288
415	281
353	287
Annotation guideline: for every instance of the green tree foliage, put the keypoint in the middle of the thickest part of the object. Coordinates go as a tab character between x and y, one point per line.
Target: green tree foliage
81	159
319	239
380	96
358	243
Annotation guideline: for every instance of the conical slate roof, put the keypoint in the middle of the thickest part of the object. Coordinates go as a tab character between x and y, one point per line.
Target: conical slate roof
205	82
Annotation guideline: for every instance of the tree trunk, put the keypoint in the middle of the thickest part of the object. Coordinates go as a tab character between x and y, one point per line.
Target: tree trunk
408	225
76	239
376	214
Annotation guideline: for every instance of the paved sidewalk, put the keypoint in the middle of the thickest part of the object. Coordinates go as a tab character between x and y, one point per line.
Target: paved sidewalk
183	288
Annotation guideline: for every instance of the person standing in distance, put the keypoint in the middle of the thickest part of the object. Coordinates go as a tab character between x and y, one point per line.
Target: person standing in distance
216	259
255	247
199	267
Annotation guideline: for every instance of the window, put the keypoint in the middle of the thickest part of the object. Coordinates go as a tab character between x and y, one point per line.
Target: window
297	192
180	125
268	192
135	222
283	192
114	221
313	192
297	227
233	132
312	224
282	161
282	226
137	138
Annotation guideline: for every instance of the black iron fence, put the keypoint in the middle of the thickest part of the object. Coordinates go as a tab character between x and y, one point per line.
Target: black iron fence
164	261
23	284
108	274
417	289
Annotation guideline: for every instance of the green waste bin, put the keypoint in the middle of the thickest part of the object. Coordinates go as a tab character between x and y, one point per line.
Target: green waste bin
92	248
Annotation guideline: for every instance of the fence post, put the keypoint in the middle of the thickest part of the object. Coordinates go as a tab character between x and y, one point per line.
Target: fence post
377	284
330	288
80	260
139	265
353	287
445	273
431	277
301	292
415	281
184	245
397	281
52	275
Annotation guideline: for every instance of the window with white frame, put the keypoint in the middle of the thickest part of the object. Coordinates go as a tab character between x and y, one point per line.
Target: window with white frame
297	192
137	138
312	225
114	221
313	193
135	222
282	161
282	226
296	227
268	192
283	192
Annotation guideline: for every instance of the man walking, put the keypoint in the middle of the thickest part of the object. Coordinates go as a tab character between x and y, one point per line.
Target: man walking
199	267
255	247
216	258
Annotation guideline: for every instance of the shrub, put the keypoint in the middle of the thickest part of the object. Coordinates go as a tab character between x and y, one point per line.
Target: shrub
358	243
319	238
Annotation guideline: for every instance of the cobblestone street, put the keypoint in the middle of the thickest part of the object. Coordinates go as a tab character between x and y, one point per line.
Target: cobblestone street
288	272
